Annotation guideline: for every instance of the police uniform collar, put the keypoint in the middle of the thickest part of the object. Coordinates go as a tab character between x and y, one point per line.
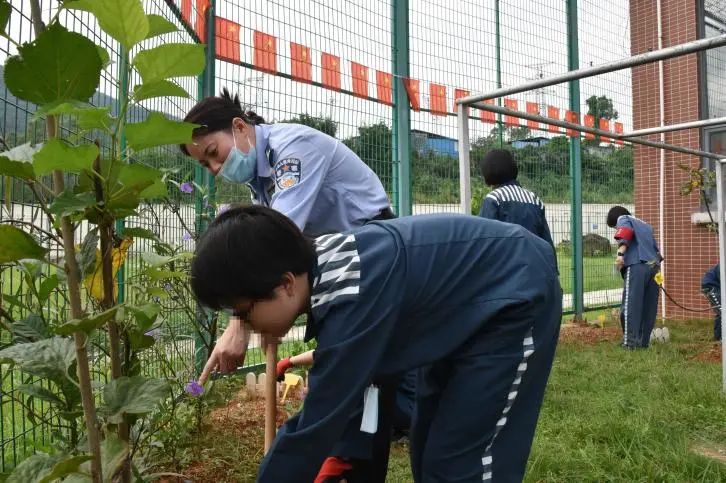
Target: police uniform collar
262	144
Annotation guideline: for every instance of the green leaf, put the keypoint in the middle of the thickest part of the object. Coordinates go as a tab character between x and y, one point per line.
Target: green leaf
30	329
87	324
113	455
56	154
67	203
134	176
145	315
87	256
133	395
156	274
65	467
160	88
46	288
16	169
138	232
16	245
24	152
86	115
34	468
170	60
124	20
5	11
155	261
43	468
105	58
140	341
158	25
157	130
47	358
57	65
39	392
157	292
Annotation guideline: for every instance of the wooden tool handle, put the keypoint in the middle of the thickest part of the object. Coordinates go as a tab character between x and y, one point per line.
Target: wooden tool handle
270	395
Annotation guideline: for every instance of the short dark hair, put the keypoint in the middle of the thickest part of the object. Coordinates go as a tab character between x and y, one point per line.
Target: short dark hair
498	167
244	253
615	213
216	114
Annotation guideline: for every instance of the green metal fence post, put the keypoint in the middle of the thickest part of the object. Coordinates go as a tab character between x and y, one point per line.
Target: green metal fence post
204	208
498	42
122	98
573	62
402	114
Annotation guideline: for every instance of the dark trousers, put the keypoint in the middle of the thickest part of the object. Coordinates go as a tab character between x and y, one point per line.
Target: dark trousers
639	305
713	294
477	410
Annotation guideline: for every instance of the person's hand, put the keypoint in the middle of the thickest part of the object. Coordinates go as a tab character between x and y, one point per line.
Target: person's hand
229	352
282	366
619	263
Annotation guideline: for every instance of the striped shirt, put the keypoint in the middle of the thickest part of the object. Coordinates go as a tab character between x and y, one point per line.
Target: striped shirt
338	276
516	193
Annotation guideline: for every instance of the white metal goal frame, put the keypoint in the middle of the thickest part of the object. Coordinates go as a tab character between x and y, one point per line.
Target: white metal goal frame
634	137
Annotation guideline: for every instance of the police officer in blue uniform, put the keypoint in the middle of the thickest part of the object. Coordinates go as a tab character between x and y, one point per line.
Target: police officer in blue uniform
482	312
313	178
323	187
508	201
711	288
638	259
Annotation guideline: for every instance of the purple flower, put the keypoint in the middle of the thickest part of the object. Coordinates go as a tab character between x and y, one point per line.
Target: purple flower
194	388
186	187
186	236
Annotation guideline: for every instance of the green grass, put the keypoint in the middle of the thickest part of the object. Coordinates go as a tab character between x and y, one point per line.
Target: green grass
598	273
608	415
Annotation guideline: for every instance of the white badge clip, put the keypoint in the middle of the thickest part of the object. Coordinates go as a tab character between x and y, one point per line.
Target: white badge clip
369	421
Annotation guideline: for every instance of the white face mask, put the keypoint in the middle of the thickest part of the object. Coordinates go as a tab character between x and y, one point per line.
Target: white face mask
239	167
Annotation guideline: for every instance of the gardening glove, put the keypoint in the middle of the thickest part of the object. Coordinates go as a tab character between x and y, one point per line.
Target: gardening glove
333	470
282	366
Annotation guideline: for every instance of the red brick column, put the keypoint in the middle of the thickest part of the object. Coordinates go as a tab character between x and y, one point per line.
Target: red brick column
689	249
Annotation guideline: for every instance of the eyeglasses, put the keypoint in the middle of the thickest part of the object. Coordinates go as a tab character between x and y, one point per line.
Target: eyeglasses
242	314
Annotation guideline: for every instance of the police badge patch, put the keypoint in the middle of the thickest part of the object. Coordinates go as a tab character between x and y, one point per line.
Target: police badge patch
287	173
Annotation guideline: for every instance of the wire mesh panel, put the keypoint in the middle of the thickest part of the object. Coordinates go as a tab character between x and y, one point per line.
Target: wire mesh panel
309	62
20	434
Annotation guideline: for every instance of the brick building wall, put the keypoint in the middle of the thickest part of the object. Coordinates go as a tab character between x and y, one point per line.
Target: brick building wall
689	249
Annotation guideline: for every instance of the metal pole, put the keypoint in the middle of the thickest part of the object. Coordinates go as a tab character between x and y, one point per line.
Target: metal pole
398	95
721	203
573	63
403	114
676	127
123	95
464	162
646	58
202	210
498	41
581	128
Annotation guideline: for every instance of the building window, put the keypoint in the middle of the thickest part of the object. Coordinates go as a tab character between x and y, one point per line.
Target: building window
713	64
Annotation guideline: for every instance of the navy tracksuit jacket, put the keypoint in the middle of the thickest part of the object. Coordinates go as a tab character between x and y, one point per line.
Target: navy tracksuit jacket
478	302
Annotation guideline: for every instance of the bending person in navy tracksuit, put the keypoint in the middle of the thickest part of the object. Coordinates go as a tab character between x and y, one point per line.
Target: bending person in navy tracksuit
638	259
711	288
477	301
323	187
508	201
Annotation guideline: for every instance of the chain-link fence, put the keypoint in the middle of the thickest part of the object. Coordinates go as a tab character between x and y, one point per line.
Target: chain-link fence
357	70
